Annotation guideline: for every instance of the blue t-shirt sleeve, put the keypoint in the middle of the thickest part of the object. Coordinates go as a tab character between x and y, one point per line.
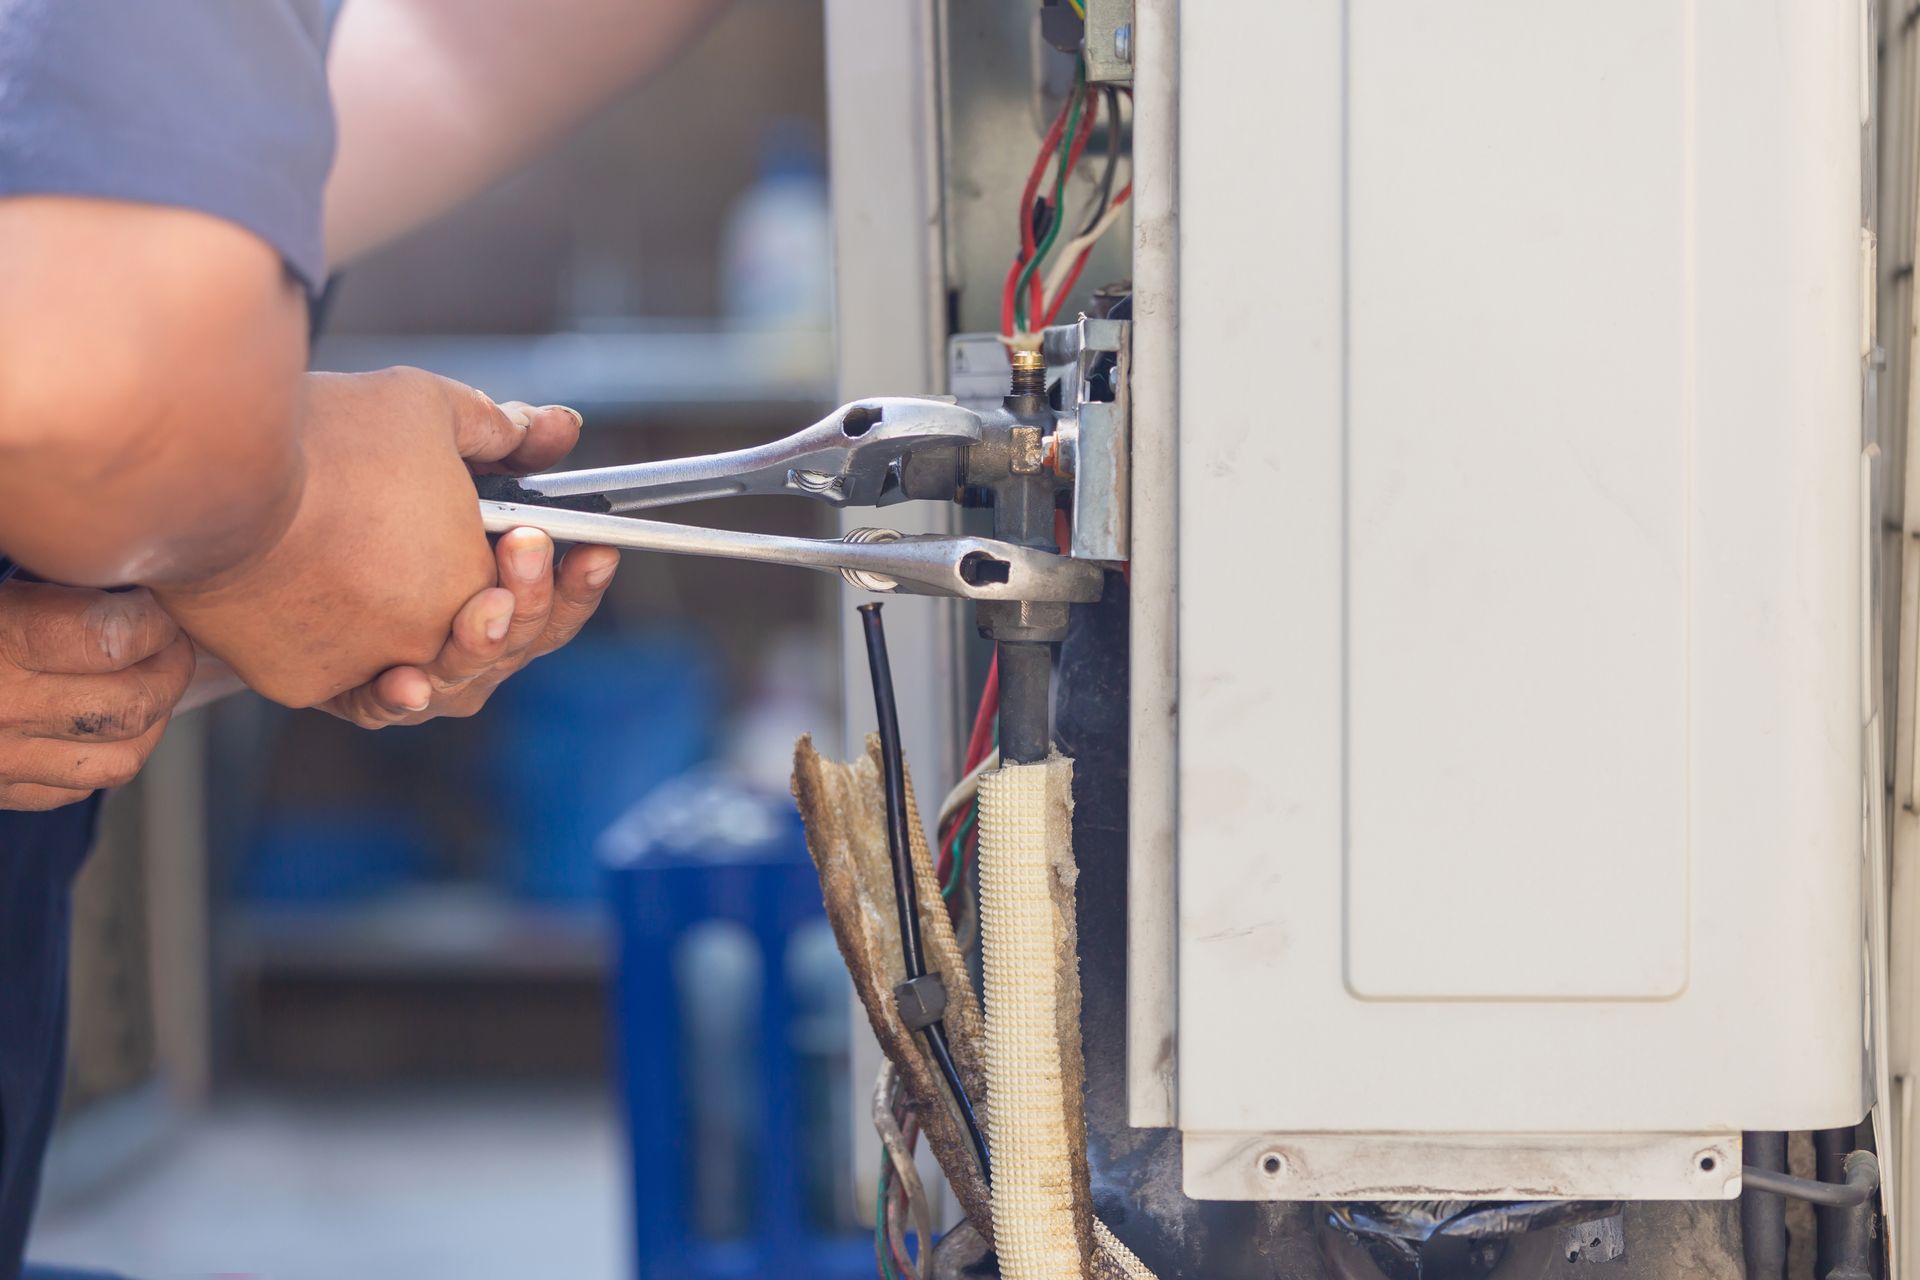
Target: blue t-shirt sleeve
215	105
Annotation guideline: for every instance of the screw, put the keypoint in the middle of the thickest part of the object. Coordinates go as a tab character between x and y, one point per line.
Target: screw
1123	42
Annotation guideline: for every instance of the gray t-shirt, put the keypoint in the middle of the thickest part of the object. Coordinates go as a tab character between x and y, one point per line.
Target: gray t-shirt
216	105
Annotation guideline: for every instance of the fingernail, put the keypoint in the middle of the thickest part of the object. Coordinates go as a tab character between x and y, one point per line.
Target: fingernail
418	693
497	621
601	574
116	631
530	562
578	421
114	638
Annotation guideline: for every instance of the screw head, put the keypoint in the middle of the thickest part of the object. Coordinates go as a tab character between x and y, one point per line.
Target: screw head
1123	42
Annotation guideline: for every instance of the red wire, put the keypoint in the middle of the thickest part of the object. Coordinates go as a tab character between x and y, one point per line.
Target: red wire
1006	295
1035	302
979	744
1027	196
1032	190
980	741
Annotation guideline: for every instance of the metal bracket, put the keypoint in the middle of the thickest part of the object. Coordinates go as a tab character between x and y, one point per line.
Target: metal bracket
1109	46
1094	441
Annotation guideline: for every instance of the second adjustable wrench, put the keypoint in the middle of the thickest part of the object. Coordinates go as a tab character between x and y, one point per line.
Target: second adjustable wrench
874	559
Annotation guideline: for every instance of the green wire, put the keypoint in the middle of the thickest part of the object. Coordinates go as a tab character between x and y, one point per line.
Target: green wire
882	1246
1059	198
957	852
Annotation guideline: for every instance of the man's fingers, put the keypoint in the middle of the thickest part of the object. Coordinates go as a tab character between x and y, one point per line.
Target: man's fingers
526	569
33	797
76	631
79	766
578	588
477	643
400	694
513	437
115	707
552	431
395	696
483	432
479	639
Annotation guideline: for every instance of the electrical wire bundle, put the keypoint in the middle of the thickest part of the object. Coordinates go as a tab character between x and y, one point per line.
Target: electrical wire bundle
958	822
900	1188
1032	297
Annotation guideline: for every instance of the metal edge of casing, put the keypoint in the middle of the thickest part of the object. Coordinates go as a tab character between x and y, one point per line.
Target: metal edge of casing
1153	678
1412	1166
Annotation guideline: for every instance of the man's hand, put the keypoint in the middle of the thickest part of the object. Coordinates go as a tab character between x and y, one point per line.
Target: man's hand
386	547
498	632
503	628
87	682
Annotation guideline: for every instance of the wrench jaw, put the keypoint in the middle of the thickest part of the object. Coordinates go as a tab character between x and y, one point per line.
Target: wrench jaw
876	452
979	569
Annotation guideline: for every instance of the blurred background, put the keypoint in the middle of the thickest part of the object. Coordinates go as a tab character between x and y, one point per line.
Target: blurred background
344	1003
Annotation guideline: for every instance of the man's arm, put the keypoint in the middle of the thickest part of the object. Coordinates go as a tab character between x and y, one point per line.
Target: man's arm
156	428
147	391
436	99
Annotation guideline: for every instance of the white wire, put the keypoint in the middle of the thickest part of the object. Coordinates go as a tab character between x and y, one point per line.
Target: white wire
1063	266
964	790
901	1156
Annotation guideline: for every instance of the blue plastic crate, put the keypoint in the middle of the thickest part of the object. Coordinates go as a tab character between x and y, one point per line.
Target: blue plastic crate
704	851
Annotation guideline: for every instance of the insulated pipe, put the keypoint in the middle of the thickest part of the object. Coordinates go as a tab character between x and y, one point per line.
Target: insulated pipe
1042	1215
1763	1214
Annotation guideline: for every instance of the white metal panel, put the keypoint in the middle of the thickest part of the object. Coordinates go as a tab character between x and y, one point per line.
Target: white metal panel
1519	741
1518	428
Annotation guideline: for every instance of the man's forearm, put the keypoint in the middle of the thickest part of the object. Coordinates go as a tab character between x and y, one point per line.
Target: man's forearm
436	99
148	392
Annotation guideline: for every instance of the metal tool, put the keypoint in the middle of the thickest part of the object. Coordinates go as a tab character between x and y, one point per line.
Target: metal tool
857	455
869	453
872	559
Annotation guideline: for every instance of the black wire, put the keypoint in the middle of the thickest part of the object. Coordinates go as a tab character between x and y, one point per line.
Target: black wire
1041	217
943	1055
1105	201
906	894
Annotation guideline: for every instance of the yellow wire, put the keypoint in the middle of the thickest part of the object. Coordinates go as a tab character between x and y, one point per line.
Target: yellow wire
1079	8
